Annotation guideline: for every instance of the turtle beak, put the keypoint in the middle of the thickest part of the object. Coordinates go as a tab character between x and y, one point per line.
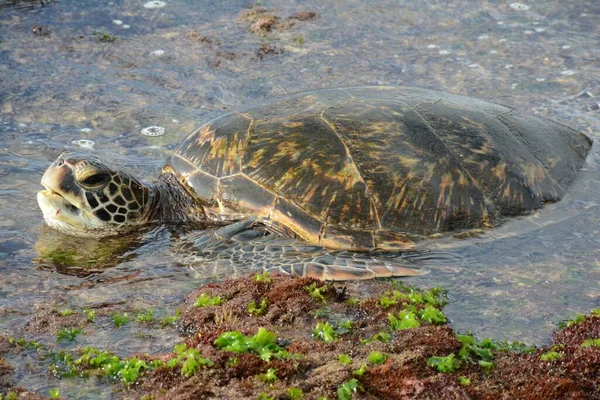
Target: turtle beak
62	198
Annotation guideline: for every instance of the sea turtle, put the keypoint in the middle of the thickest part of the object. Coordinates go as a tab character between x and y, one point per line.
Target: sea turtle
335	171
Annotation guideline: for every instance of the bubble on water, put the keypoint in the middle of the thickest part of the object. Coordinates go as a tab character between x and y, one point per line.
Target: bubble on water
432	46
126	26
484	37
493	52
85	130
540	79
500	22
566	46
473	65
519	6
514	85
528	32
568	72
84	143
155	4
157	52
153	131
444	52
540	30
117	22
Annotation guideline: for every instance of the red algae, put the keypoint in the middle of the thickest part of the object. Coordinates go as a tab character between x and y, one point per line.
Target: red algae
290	359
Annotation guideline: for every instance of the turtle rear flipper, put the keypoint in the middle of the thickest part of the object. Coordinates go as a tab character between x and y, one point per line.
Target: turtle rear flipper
242	247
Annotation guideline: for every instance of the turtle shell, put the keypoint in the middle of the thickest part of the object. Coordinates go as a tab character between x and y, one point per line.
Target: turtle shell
378	167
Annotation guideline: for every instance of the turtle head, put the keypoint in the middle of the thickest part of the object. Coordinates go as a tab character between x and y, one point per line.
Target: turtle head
85	197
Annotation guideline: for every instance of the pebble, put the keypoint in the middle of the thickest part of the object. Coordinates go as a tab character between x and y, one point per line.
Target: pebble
153	131
117	22
157	53
519	6
155	4
84	143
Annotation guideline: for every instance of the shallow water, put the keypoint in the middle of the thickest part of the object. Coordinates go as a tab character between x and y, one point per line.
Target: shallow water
189	61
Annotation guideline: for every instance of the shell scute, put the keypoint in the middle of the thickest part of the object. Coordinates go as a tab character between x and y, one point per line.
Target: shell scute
242	195
420	187
298	220
217	147
303	160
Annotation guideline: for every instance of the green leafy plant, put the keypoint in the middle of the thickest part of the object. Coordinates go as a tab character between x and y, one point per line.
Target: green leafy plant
253	309
90	315
316	292
377	357
295	393
360	371
28	344
205	300
107	37
67	334
66	312
579	318
406	320
345	359
590	343
444	364
111	366
380	336
10	395
166	321
346	325
346	389
189	359
353	301
463	380
262	343
61	364
265	277
551	356
120	320
54	393
325	332
432	315
145	317
269	376
402	293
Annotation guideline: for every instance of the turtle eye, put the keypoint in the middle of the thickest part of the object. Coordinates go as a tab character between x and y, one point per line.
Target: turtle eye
96	179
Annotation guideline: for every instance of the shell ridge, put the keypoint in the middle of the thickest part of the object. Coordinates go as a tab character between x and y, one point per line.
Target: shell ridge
524	144
457	159
368	190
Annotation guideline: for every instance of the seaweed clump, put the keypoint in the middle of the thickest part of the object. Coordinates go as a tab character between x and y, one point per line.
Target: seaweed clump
281	337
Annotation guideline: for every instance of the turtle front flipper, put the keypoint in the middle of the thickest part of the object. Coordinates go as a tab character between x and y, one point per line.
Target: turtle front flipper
243	247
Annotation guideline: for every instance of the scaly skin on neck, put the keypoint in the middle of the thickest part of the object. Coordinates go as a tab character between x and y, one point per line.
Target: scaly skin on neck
170	202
